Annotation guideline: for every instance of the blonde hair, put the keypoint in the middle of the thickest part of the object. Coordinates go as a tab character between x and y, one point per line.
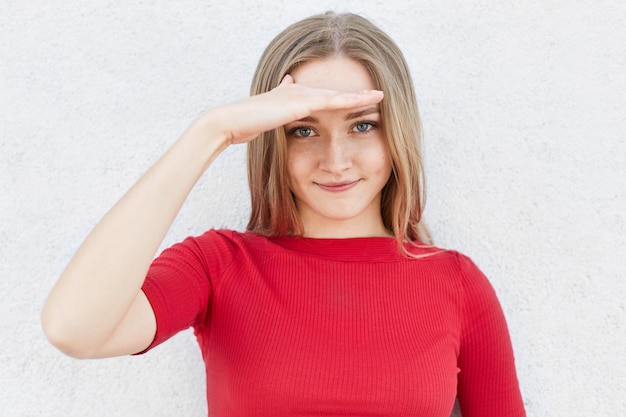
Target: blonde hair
274	211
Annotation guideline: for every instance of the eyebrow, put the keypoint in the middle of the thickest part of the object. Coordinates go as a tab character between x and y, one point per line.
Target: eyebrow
349	116
364	112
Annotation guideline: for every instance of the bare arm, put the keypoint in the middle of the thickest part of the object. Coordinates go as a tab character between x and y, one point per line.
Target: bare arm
97	308
101	285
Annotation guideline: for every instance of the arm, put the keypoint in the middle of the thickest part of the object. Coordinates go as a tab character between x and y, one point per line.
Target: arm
487	383
97	308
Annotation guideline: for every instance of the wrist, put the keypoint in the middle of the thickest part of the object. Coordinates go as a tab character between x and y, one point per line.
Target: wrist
206	136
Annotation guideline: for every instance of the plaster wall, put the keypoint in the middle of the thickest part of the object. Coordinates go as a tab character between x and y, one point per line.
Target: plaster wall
523	112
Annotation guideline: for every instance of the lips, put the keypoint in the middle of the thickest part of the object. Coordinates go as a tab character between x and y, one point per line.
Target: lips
336	187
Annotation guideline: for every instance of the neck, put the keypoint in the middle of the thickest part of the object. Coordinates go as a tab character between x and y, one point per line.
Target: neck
345	229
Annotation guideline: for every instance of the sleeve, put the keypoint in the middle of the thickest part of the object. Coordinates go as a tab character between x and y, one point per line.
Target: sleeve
180	281
487	383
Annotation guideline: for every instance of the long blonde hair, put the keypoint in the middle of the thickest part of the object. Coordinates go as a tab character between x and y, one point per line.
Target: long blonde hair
274	211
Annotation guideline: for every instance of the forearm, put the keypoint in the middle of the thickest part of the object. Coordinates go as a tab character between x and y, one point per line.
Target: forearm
103	278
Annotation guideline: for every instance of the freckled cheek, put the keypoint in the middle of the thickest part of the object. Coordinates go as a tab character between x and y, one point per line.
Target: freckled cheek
377	158
298	161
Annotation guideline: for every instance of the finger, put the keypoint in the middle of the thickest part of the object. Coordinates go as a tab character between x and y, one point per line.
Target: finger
351	100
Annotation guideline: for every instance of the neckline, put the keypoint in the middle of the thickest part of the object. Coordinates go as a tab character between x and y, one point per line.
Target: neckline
355	249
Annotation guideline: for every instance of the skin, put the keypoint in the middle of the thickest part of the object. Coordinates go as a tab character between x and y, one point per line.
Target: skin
338	161
97	308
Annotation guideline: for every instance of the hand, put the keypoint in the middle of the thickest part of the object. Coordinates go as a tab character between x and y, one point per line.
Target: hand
244	120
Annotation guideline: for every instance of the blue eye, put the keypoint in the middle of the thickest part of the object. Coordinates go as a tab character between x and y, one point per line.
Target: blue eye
302	132
363	127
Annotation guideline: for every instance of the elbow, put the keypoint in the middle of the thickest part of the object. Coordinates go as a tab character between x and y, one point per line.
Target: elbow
59	333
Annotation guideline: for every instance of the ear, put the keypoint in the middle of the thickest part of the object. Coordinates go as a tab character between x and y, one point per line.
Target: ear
287	79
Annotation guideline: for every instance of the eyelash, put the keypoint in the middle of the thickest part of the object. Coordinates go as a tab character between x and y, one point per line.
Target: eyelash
293	132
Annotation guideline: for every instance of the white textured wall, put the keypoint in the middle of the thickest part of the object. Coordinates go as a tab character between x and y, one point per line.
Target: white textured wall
524	109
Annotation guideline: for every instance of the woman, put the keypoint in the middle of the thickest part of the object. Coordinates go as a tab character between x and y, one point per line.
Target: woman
331	302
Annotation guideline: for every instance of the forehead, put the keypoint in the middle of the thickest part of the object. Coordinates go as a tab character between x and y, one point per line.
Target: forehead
334	73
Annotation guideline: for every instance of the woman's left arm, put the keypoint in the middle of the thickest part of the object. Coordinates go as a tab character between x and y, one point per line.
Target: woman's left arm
487	384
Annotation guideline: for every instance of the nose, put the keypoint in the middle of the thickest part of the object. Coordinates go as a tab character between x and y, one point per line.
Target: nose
335	155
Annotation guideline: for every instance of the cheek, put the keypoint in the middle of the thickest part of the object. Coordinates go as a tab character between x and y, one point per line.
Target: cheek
290	172
296	163
388	163
380	159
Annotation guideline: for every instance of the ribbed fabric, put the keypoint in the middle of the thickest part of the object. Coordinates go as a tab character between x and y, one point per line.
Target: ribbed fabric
336	327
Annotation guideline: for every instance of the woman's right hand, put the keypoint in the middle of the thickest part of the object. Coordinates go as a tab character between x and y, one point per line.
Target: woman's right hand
245	119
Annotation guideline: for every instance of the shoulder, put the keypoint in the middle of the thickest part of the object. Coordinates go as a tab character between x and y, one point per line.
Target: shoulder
452	260
478	296
472	277
456	261
210	254
231	240
454	266
478	301
227	245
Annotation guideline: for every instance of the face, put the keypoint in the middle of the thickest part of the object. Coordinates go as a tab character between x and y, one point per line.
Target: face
338	161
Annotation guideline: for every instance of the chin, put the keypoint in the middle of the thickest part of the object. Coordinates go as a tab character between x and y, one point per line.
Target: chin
340	214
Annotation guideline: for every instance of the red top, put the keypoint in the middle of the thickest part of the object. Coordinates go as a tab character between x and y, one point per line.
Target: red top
336	327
